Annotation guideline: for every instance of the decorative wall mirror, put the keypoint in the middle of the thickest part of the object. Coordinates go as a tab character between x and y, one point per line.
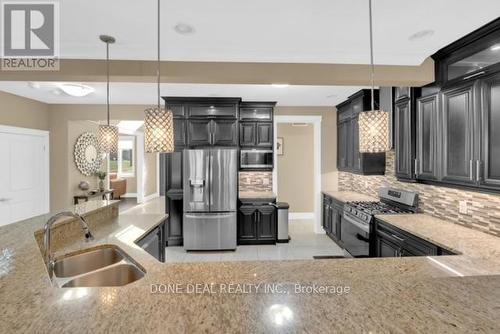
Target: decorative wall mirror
87	157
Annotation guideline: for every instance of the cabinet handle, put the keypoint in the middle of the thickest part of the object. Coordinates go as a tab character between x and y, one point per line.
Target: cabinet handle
416	167
478	170
474	75
471	172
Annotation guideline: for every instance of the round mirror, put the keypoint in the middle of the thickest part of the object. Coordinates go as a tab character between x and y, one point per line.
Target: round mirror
87	157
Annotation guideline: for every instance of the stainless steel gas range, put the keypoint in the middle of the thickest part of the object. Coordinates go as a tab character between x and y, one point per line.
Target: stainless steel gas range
358	219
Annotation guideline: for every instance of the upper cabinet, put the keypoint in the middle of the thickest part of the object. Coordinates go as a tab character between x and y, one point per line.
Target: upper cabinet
426	167
472	57
349	159
256	124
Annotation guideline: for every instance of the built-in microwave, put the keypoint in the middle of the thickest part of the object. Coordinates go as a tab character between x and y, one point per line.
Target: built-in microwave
255	159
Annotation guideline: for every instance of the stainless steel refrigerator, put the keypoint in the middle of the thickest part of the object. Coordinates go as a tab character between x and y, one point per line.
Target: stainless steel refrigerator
210	195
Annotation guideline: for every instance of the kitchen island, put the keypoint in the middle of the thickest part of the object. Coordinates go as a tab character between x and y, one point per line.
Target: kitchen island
370	295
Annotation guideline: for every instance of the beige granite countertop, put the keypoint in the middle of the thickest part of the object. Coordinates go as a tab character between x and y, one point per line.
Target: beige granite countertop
257	195
389	295
349	196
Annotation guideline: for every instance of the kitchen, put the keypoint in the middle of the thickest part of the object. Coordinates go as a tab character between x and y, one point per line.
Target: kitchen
400	233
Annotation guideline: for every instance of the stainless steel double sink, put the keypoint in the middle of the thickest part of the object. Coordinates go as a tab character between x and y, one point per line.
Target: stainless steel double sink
105	266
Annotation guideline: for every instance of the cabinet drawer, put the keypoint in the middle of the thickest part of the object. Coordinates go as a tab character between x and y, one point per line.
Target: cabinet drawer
256	114
212	110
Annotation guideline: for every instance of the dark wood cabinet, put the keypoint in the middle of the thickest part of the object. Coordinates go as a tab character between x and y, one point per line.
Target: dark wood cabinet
154	242
393	242
247	134
488	163
427	138
349	159
458	165
332	217
199	132
214	109
180	140
257	224
404	139
173	197
224	132
264	134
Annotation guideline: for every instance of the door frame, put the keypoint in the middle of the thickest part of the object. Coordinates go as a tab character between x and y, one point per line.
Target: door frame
45	135
316	122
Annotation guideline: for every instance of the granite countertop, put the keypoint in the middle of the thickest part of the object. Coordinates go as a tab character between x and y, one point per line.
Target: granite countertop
260	195
349	196
364	295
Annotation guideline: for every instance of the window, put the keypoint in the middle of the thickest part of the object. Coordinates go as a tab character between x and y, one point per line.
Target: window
123	162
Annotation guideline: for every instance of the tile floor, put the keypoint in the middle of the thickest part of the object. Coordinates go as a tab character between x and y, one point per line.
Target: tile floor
304	245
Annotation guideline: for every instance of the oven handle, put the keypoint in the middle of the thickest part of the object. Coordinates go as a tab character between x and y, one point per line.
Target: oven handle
365	228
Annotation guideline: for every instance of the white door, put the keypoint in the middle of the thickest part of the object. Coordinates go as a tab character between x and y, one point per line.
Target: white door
23	174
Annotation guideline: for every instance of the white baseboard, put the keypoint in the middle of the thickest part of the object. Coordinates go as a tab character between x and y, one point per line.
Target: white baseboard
300	215
129	195
150	197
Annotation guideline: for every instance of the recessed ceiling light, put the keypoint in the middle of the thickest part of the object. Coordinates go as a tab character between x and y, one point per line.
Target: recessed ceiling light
184	29
278	85
76	90
495	47
420	35
34	85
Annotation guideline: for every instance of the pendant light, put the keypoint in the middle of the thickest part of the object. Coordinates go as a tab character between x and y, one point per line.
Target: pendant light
373	124
158	122
108	134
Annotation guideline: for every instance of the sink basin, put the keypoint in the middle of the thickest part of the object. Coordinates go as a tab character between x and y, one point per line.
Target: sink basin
118	275
86	262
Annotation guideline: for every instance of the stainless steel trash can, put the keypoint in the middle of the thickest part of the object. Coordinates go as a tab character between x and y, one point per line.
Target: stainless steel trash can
282	211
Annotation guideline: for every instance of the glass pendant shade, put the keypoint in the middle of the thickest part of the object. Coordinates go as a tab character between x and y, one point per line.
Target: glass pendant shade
108	139
158	130
374	132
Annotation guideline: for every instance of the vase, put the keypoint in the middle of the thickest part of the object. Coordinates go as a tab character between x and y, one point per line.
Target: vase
101	185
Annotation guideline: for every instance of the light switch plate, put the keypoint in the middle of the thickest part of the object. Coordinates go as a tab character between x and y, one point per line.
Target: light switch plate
463	208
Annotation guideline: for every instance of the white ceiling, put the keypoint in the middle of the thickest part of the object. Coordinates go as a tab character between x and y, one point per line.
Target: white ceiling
145	93
318	31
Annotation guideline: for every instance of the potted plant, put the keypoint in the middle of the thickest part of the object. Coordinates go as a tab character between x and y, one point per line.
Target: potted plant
101	175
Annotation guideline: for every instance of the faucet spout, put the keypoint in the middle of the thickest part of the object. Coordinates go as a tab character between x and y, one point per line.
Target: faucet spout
48	235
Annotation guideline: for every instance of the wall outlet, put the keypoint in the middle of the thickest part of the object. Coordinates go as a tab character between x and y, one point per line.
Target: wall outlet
463	207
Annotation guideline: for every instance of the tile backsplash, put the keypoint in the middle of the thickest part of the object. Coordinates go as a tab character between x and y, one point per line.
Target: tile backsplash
442	202
256	181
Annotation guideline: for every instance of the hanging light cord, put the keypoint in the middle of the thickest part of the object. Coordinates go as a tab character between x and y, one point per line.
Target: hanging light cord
158	63
107	76
371	56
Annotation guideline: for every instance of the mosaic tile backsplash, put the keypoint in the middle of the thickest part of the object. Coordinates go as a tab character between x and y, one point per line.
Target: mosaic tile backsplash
483	209
256	181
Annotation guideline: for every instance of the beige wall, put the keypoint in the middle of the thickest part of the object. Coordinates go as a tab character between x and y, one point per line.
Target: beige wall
329	173
21	112
150	173
296	167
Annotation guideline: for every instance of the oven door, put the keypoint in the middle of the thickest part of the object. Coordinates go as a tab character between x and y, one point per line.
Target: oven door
355	236
256	159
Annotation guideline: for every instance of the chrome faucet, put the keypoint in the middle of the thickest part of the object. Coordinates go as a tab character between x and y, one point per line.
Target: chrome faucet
47	236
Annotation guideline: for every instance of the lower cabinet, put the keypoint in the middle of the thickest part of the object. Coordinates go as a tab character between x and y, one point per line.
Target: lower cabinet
332	217
257	224
392	242
154	242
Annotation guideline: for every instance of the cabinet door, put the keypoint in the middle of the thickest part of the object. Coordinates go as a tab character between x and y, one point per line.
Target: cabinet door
247	134
489	164
387	246
342	145
179	133
403	137
349	143
264	134
199	132
356	156
213	110
458	128
401	92
247	224
261	114
225	132
326	214
334	222
266	223
427	125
